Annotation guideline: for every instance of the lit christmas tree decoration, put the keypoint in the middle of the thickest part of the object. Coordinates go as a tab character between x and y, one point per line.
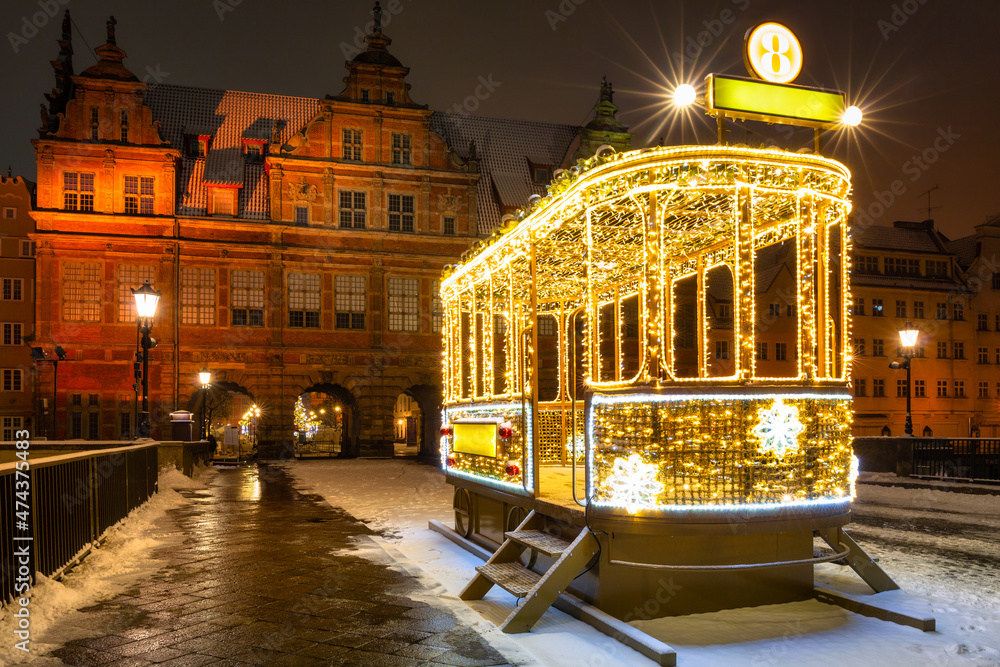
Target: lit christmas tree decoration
779	428
632	484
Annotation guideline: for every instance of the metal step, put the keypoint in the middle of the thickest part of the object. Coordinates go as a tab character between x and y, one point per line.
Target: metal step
543	543
512	577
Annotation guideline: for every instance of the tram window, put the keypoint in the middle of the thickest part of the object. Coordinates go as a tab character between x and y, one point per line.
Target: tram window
775	267
466	343
499	354
719	315
835	304
548	358
606	330
685	326
480	365
580	353
630	336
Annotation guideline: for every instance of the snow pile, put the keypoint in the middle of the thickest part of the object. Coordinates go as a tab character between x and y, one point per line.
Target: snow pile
107	571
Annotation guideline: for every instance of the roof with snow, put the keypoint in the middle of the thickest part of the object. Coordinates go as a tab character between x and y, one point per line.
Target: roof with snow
901	237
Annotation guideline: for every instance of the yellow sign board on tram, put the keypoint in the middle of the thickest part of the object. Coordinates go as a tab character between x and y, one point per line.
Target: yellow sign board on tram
740	97
478	438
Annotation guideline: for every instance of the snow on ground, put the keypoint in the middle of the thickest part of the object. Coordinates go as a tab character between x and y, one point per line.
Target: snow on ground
122	559
950	573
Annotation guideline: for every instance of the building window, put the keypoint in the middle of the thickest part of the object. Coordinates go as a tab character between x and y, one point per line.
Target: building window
129	278
959	350
223	200
124	126
352	145
900	388
866	264
365	95
139	195
919	389
725	311
546	326
790	310
895	266
95	123
9	213
878	347
78	191
400	213
349	302
958	312
81	292
541	175
303	300
449	225
301	215
983	356
859	347
859	306
942	350
860	388
900	309
877	310
404	304
774	309
12	379
781	352
878	388
437	311
722	349
247	298
390	97
93	426
124	426
13	289
918	310
761	352
197	296
11	425
959	388
76	425
197	146
400	148
353	209
12	333
984	389
27	248
936	269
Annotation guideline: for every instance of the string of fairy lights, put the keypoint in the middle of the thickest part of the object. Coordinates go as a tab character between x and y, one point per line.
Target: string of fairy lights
624	239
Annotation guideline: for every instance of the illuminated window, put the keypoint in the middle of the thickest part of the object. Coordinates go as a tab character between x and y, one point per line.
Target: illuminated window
919	389
131	277
352	145
353	209
223	200
918	310
400	213
349	302
197	296
13	379
139	193
877	309
404	304
247	298
878	388
81	292
11	333
78	191
13	289
303	300
401	150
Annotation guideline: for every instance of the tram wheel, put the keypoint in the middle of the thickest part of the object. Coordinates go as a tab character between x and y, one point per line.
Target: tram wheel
463	509
515	516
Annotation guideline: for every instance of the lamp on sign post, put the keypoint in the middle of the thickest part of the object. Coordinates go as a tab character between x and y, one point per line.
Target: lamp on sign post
908	336
205	377
146	299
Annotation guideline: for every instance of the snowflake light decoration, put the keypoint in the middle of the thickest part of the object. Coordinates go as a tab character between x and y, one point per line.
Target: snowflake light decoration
778	428
632	484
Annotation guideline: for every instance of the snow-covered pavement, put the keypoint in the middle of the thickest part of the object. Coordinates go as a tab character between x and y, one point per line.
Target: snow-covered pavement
942	548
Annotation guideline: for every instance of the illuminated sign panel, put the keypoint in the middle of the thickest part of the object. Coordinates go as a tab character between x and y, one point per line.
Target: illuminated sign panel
750	99
476	437
773	53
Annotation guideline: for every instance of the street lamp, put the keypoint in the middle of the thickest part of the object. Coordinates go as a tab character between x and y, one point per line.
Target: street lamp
205	377
908	341
146	299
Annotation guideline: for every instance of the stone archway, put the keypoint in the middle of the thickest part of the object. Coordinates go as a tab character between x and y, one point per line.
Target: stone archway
428	397
223	404
350	414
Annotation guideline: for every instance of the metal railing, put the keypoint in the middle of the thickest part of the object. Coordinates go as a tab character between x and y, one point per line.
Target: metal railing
957	458
73	500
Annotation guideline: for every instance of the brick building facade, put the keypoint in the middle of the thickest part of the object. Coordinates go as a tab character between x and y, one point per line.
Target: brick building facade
297	241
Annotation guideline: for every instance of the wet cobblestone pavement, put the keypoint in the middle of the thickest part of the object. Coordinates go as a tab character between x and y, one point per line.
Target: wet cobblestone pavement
266	576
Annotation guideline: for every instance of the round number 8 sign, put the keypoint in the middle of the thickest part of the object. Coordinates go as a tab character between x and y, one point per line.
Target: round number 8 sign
773	53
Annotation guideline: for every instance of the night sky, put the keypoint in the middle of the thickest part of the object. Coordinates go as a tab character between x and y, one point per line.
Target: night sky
924	71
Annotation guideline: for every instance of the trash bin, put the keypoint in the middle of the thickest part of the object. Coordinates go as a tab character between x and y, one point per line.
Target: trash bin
182	426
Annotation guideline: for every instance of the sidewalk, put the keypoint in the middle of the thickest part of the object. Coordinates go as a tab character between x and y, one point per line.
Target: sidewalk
953	486
266	576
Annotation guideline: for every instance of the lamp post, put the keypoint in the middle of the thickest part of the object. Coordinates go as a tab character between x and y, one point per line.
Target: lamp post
146	299
205	377
908	340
